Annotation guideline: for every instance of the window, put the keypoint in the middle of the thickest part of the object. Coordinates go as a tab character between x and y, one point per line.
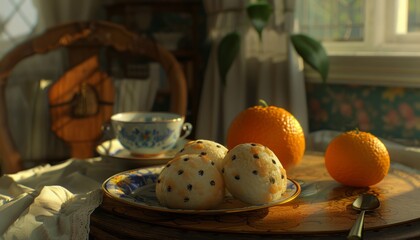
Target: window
413	16
370	42
18	19
349	27
332	20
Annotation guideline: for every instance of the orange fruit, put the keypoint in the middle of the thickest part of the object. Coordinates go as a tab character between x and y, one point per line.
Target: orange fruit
271	126
357	159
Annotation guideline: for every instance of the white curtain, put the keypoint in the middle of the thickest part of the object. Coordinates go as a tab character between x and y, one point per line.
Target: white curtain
28	84
52	13
137	94
266	70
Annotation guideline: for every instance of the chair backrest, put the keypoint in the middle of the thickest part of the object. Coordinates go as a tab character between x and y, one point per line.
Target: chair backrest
72	34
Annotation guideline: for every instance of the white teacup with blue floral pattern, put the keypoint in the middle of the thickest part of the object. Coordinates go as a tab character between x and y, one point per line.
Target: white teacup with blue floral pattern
149	133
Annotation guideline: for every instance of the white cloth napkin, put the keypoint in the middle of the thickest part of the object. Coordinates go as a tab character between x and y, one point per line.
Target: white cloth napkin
52	202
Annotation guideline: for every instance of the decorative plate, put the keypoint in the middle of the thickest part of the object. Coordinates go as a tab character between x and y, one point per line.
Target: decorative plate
137	188
112	150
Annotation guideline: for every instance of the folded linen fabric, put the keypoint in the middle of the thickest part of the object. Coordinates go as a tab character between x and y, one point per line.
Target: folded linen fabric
52	202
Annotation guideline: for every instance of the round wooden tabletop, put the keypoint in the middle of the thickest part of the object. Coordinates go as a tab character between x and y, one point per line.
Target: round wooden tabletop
322	209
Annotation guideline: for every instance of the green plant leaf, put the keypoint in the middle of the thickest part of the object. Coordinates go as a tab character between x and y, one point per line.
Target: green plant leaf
313	53
259	13
226	53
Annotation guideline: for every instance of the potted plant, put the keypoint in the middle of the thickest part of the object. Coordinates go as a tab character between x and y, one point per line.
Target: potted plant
311	50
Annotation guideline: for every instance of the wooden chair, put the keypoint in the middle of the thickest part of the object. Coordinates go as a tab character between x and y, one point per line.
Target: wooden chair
81	39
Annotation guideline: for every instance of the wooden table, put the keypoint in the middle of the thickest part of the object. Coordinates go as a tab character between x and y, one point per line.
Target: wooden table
323	210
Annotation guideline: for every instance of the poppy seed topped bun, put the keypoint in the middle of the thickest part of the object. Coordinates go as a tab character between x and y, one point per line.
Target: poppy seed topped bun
253	174
190	181
213	150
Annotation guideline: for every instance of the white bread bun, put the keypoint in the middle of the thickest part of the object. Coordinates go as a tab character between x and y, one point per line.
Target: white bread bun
190	181
215	151
253	174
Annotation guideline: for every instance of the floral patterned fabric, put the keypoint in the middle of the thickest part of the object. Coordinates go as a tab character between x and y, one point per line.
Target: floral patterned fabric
387	112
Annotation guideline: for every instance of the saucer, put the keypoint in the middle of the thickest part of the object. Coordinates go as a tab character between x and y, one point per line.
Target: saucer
112	150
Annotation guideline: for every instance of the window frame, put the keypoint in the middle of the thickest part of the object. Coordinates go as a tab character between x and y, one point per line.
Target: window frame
383	39
386	57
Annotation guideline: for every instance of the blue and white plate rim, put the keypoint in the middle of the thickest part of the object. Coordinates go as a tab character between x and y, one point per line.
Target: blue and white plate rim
149	176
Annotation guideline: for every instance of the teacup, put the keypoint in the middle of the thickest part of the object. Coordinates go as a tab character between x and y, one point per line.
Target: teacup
149	133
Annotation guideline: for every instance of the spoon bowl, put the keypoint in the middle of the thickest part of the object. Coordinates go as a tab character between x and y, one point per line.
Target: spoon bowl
365	202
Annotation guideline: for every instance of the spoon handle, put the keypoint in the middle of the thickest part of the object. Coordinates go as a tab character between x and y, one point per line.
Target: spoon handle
356	230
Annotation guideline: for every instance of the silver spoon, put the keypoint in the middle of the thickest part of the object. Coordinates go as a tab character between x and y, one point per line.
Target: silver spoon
365	202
